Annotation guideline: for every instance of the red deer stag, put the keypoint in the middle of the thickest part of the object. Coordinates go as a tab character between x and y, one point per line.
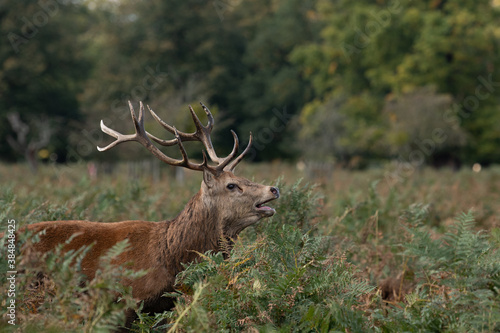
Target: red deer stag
223	207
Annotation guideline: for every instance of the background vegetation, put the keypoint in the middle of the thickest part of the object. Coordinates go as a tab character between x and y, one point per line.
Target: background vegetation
354	253
351	82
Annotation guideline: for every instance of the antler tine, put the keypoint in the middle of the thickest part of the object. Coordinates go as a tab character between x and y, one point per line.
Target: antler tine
201	134
211	122
114	134
171	129
197	122
141	136
185	160
162	142
224	162
138	123
234	163
123	137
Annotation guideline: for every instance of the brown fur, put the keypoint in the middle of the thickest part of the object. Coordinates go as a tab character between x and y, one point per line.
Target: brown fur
161	248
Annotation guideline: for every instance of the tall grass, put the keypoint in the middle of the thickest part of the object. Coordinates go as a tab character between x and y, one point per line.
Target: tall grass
348	252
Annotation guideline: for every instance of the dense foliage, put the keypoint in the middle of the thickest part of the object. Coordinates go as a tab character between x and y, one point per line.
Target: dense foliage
345	256
349	81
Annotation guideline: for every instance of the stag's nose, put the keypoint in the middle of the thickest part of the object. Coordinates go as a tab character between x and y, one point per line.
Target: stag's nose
275	191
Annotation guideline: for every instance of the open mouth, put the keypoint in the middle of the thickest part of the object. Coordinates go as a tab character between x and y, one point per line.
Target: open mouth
262	207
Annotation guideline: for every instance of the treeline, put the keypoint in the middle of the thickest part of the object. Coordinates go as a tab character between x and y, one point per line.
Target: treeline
354	82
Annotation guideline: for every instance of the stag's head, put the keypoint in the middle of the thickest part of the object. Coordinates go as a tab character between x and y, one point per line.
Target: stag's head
238	201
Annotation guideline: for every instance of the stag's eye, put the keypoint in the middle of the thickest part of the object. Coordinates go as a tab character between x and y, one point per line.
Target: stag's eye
231	186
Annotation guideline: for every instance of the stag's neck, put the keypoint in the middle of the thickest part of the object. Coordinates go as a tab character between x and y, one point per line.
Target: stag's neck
196	229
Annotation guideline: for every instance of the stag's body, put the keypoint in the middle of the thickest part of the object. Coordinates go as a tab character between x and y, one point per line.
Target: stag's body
224	206
160	248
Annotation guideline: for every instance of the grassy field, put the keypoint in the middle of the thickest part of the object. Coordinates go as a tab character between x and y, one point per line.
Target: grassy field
348	251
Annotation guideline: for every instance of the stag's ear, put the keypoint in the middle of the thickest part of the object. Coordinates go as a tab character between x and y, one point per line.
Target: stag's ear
208	177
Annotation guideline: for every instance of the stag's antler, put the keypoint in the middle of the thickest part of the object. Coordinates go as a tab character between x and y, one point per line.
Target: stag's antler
201	134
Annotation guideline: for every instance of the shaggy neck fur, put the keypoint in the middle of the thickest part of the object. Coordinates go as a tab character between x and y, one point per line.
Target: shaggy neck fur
196	228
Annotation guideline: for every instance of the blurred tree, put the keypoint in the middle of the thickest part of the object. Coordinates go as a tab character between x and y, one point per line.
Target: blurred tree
341	129
231	55
26	143
152	52
43	65
272	90
259	64
419	132
385	48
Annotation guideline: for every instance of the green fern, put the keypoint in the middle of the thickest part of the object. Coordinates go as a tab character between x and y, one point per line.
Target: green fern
275	284
458	281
